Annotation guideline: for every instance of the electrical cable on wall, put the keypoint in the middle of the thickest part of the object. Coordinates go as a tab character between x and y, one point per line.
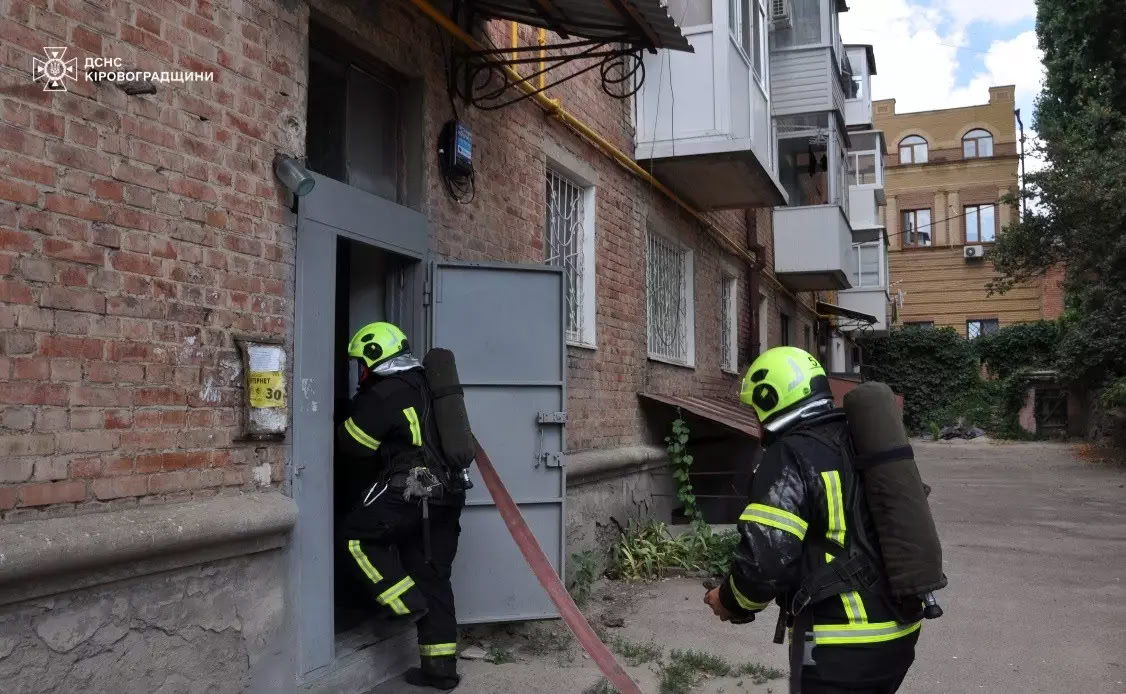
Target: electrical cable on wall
455	146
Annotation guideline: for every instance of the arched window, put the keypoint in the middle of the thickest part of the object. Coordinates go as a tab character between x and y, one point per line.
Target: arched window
912	150
977	143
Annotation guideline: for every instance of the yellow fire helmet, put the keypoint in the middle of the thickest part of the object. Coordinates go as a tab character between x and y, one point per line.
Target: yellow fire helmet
376	343
780	380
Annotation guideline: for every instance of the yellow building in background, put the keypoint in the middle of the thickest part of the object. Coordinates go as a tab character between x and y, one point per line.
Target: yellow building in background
945	172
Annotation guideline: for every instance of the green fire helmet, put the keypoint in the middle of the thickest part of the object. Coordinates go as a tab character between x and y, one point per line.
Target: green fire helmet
376	343
781	379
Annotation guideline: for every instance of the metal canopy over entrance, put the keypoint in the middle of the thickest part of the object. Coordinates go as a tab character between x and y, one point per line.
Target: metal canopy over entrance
644	23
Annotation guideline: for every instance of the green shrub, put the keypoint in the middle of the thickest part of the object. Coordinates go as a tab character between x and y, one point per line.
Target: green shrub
647	551
1114	394
1018	346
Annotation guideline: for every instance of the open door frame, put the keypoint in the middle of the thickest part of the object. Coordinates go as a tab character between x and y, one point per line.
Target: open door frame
332	211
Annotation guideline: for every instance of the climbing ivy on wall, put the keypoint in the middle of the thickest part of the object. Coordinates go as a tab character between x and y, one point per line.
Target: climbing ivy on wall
938	372
1018	346
931	368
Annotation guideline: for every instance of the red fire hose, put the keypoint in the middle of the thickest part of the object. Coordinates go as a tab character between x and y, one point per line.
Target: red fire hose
547	577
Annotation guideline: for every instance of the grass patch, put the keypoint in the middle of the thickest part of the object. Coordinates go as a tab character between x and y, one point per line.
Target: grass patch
685	668
602	686
499	656
585	572
648	551
759	674
635	652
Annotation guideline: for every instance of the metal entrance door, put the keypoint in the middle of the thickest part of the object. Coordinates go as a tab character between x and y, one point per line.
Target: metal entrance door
506	326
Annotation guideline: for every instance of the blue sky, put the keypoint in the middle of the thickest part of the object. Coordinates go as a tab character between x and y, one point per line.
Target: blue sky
942	53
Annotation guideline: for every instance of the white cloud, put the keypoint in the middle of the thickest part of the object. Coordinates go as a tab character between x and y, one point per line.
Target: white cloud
917	64
965	12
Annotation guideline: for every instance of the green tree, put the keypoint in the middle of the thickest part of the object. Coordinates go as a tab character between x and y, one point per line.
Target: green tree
1080	218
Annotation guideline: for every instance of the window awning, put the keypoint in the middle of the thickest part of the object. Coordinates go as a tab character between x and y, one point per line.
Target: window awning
825	309
644	23
730	414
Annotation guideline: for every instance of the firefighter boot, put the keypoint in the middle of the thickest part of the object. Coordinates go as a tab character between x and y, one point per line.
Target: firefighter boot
439	673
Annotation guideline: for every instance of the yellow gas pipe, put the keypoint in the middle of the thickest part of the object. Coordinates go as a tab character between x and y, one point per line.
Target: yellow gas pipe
554	109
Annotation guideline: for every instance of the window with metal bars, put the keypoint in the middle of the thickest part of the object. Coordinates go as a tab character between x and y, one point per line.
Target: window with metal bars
563	244
977	328
670	313
728	328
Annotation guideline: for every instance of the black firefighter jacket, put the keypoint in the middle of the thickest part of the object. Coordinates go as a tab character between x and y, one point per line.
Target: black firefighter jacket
387	416
800	491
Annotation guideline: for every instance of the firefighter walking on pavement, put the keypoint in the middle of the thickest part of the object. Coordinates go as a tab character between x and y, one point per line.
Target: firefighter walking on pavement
807	541
402	533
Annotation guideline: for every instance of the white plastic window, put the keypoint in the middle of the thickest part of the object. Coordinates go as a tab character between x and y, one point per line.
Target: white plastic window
977	143
913	150
981	223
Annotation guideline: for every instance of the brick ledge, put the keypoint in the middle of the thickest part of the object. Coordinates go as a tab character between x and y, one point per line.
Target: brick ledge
612	462
46	557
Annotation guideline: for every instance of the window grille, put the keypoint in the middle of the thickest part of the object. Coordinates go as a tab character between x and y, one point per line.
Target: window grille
727	323
563	243
666	279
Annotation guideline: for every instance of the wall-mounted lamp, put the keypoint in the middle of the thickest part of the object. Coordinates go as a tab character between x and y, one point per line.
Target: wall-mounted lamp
295	177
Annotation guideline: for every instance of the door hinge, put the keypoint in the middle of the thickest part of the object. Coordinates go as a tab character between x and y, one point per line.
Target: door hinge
542	457
551	418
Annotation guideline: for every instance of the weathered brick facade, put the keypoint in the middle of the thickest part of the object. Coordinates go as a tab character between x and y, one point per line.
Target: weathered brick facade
139	234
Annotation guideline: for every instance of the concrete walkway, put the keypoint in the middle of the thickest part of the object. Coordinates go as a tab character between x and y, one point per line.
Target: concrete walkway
1035	548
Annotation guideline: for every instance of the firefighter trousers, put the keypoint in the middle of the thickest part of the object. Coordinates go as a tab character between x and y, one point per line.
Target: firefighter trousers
877	668
385	543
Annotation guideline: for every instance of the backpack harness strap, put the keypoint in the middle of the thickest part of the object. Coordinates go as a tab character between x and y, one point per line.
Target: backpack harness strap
854	569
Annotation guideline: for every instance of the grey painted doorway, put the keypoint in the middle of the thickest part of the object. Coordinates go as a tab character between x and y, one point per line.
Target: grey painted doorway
506	325
331	212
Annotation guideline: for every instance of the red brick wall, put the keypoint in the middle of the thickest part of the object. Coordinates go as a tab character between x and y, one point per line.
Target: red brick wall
139	234
1051	293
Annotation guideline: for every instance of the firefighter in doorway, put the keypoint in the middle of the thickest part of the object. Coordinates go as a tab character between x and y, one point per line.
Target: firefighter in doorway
801	537
403	531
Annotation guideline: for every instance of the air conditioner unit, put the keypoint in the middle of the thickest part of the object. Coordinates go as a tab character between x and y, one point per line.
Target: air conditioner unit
973	252
779	14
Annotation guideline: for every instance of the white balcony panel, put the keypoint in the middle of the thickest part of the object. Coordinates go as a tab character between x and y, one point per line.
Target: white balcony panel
870	300
703	123
802	81
812	247
863	213
858	112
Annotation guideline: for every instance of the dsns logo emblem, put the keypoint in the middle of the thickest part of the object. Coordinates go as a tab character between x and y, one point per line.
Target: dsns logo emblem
54	69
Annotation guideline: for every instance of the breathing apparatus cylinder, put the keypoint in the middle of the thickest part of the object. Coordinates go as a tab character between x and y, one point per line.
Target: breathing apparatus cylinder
450	416
896	496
